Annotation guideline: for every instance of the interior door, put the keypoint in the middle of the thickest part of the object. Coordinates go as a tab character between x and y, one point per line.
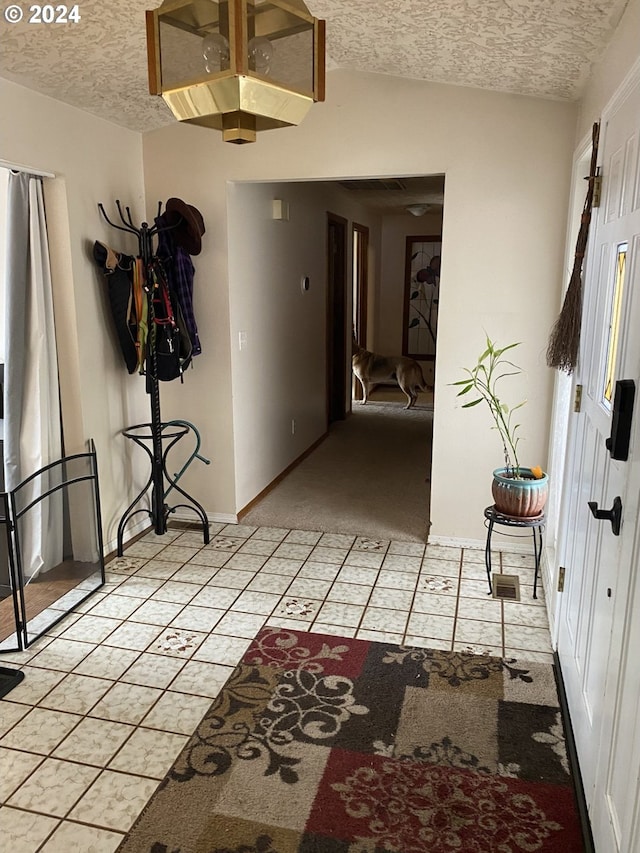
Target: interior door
595	619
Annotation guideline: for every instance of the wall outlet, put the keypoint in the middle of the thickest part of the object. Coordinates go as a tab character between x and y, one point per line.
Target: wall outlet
293	426
242	340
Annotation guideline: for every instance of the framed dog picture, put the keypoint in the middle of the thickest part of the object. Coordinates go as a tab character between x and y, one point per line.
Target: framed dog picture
421	296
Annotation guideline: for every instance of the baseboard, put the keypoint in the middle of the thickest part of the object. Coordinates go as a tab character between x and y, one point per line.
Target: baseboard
245	509
479	544
572	755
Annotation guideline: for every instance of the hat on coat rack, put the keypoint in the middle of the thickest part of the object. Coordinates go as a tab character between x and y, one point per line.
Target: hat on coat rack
187	225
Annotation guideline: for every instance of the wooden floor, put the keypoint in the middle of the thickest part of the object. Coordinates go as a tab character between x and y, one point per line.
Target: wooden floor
43	592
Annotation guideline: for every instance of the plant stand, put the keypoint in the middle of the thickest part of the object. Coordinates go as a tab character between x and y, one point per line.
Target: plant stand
536	526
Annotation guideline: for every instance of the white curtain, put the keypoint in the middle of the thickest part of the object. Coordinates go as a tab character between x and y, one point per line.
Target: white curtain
32	400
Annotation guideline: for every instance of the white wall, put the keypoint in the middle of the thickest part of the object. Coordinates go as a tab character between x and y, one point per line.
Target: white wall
93	161
507	162
395	230
280	375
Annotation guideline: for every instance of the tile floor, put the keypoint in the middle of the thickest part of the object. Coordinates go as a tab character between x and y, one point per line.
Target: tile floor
112	693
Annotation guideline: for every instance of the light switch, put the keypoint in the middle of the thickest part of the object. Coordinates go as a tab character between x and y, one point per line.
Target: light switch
242	340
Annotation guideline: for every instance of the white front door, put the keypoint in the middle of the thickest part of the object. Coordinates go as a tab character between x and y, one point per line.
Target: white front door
597	620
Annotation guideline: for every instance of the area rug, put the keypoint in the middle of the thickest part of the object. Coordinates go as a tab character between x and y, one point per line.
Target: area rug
9	678
319	744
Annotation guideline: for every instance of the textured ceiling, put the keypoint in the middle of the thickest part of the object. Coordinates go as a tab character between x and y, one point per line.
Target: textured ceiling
535	47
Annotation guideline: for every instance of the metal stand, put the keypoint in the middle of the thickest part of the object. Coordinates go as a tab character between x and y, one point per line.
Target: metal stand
170	433
155	434
534	524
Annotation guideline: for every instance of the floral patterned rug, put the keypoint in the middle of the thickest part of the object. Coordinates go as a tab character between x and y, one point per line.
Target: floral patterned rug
319	744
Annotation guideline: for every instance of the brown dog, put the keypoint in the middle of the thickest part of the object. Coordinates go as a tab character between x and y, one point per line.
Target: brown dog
372	369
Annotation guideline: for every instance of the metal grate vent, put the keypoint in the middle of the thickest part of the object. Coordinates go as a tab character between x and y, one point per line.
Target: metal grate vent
506	587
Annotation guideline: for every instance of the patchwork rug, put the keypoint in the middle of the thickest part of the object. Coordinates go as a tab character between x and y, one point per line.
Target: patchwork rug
319	744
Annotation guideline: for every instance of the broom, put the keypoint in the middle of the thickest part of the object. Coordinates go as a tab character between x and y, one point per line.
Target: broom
564	341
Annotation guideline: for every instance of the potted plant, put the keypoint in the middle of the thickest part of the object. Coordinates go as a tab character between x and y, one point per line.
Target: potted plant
518	492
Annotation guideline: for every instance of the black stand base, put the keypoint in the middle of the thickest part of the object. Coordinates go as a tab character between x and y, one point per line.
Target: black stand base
170	434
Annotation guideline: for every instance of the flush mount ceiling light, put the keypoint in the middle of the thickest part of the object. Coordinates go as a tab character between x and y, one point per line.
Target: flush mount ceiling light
239	66
418	209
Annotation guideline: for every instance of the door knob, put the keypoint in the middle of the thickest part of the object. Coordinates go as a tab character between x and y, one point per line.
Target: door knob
614	515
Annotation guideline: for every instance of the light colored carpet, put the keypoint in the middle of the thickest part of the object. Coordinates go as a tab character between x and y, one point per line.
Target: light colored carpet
369	477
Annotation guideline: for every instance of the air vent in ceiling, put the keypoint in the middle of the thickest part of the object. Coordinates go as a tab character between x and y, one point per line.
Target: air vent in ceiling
376	184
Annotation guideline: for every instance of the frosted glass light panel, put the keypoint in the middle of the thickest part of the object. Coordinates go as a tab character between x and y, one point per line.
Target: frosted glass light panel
421	296
281	44
194	42
615	311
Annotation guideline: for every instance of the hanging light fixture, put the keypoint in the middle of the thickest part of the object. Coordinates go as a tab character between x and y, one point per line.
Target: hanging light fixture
240	66
418	209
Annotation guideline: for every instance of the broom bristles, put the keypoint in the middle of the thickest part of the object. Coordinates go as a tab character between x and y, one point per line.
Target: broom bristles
564	341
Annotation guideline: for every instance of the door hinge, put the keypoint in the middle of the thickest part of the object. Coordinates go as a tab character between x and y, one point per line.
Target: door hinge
561	572
577	399
597	189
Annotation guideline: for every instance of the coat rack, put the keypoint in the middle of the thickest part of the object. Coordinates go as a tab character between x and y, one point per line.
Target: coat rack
156	432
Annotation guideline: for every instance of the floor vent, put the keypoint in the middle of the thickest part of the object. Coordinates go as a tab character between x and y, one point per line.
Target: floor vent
506	587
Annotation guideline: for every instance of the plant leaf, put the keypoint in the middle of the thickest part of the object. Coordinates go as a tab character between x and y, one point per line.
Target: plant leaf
473	403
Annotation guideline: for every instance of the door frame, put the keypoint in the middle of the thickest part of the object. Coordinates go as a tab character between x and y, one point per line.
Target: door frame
336	325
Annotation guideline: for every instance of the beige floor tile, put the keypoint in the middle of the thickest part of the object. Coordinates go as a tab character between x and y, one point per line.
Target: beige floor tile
321	554
246	562
62	654
126	703
477	648
357	574
335	613
135	636
193	574
231	578
177	712
309	588
529	639
177	642
217	597
195	618
240	624
178	553
271	534
177	592
322	571
350	593
365	559
476	632
201	678
261	547
256	602
91	629
292	607
153	670
10	714
16	767
219	648
437	584
24	832
150	752
383	620
76	693
115	606
40	730
114	800
156	612
93	741
35	684
427	642
430	625
392	599
433	602
303	537
474	608
159	569
54	788
107	662
269	583
71	836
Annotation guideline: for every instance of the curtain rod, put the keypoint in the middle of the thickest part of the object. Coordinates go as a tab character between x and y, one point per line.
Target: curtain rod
16	167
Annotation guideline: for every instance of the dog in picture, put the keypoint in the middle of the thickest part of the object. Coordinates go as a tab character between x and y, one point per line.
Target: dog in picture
371	369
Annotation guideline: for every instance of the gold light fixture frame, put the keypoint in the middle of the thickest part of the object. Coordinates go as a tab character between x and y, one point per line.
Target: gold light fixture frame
236	99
